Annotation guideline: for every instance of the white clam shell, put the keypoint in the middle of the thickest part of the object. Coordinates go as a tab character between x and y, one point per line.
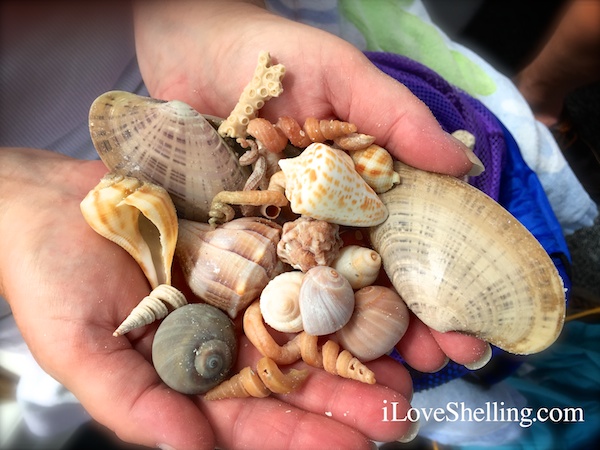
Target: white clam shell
229	266
168	143
140	217
280	302
321	183
379	321
360	265
462	262
326	301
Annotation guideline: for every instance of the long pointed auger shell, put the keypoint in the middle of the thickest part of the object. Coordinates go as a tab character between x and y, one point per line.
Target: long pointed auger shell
462	262
140	217
168	143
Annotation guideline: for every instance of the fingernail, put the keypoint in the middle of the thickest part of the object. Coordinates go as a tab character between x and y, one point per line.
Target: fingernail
478	166
468	141
165	447
411	433
485	358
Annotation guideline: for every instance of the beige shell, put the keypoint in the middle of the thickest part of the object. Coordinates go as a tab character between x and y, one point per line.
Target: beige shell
229	266
168	143
462	262
376	166
321	183
360	265
140	217
280	302
379	321
326	301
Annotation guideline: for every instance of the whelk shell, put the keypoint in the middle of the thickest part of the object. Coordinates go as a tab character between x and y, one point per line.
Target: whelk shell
230	265
140	217
322	183
168	143
462	262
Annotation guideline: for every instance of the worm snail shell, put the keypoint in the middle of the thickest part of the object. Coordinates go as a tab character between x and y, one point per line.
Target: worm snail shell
194	348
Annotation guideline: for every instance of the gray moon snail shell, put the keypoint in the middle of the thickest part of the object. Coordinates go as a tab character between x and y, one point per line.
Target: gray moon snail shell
194	348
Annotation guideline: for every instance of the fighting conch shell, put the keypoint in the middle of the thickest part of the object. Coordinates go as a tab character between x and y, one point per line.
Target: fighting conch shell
322	183
462	262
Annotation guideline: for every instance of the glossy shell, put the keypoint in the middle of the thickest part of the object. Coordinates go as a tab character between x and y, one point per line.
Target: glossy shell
168	143
376	166
138	216
229	266
379	321
360	265
321	183
280	302
194	348
462	262
326	301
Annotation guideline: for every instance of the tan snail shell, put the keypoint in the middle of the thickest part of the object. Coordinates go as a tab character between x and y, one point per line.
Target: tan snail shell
360	265
229	266
326	301
379	321
376	166
194	348
168	143
321	183
280	302
140	217
462	262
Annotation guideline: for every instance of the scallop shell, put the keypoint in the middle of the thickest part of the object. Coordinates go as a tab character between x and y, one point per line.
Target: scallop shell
194	348
280	302
379	321
360	265
168	143
140	217
462	262
229	266
326	301
376	166
321	183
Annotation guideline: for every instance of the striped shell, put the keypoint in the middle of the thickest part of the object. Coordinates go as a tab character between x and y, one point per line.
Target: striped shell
376	166
168	143
321	183
462	262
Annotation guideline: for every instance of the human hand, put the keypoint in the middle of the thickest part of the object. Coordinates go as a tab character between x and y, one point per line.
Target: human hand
69	288
206	56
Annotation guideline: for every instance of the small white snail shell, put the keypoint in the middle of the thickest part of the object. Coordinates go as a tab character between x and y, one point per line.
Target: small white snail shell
360	265
326	301
379	321
279	302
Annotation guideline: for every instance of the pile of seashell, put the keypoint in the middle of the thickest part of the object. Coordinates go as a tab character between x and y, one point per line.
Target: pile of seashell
268	244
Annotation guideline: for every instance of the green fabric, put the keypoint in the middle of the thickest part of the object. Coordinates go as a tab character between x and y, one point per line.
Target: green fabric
387	27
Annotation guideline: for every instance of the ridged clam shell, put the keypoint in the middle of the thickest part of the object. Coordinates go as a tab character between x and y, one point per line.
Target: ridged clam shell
326	301
462	262
229	266
321	183
379	321
280	302
140	217
168	143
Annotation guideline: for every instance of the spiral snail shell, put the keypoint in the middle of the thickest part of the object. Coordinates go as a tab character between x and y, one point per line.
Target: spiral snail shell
194	348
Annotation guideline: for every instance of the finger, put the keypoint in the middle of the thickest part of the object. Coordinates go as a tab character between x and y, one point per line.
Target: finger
269	423
462	349
121	390
419	348
403	124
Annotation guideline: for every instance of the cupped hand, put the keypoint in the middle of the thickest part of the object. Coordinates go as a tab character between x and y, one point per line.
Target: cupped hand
69	288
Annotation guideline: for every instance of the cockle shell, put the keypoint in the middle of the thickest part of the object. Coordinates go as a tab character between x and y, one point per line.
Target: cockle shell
321	183
280	302
194	348
462	262
168	143
360	265
326	301
379	321
229	266
140	217
376	166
